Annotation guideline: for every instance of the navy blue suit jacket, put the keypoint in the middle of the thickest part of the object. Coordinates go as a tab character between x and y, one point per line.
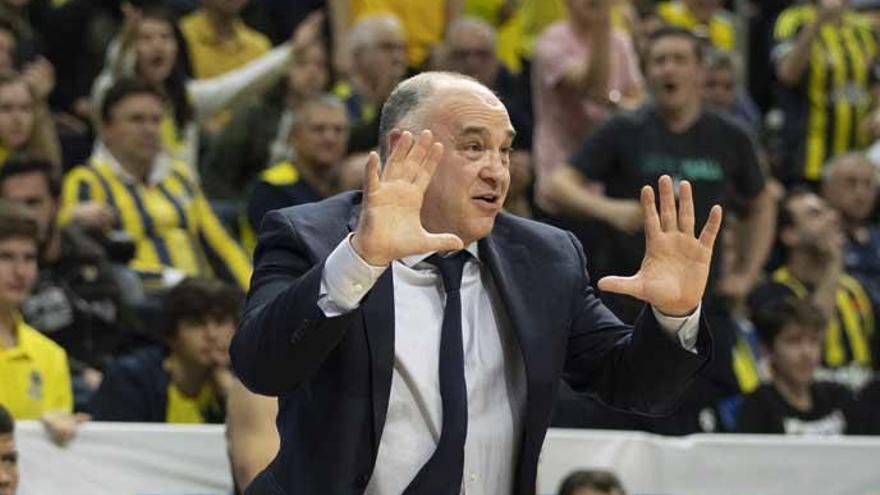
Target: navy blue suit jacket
333	375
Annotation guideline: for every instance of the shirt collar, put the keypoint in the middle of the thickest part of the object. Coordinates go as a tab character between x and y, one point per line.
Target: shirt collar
161	165
412	261
24	345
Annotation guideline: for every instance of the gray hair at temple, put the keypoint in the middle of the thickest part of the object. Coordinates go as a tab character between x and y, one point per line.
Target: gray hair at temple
400	108
470	23
847	158
363	33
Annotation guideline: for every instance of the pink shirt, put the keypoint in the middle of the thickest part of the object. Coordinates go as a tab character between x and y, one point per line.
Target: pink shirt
563	118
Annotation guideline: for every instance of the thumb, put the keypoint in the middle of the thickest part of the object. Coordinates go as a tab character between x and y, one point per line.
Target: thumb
630	286
444	242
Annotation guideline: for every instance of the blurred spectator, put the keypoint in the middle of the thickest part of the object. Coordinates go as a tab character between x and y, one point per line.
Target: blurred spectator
17	14
823	57
864	416
8	454
704	18
188	382
25	123
251	436
258	135
591	482
793	403
424	22
150	47
813	240
36	378
76	300
218	40
723	91
583	70
378	62
319	135
138	188
849	185
674	135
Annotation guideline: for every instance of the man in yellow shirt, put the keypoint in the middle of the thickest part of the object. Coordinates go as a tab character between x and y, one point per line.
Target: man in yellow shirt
218	40
36	378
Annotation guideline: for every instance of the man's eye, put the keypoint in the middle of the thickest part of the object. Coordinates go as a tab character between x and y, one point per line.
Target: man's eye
473	147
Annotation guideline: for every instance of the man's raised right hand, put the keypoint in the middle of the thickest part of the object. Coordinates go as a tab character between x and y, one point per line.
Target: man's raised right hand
390	225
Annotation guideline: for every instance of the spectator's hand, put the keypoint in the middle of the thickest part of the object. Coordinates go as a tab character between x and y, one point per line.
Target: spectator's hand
831	10
675	268
94	214
390	225
307	32
626	215
132	17
40	77
62	426
92	378
735	285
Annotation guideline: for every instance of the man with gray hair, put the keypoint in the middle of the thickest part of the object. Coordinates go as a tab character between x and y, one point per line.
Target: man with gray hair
416	335
377	46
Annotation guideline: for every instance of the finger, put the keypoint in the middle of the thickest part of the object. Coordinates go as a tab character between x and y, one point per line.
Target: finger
444	242
371	174
710	230
417	154
429	167
398	155
668	221
649	207
630	286
686	209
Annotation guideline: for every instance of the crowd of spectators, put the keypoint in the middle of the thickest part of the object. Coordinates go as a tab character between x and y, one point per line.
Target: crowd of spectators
141	143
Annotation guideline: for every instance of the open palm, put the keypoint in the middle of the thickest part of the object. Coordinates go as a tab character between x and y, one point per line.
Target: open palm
390	225
675	268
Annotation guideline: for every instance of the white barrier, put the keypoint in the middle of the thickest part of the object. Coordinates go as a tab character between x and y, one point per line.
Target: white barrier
142	459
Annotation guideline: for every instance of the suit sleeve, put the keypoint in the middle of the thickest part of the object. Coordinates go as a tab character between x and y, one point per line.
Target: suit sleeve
284	336
639	369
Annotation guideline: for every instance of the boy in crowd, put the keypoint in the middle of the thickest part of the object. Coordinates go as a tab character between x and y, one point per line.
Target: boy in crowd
188	382
793	403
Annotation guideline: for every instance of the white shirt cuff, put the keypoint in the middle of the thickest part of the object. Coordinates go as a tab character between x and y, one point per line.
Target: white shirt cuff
686	327
346	280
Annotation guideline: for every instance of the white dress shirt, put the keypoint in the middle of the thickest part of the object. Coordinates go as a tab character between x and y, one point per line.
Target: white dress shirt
494	370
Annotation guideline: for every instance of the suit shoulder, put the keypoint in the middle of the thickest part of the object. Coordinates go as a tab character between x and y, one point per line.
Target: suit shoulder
536	234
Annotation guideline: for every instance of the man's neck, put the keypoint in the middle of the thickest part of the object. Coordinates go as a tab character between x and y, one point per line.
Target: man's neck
797	395
8	334
679	120
52	248
318	176
140	171
806	268
371	90
222	25
187	377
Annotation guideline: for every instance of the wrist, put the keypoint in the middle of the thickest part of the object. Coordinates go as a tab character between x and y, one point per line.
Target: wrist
364	254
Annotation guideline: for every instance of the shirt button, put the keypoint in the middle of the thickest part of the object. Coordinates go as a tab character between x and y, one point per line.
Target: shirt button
472	478
358	287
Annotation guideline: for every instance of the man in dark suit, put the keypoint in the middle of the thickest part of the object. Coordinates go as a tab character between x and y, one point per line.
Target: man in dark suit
394	376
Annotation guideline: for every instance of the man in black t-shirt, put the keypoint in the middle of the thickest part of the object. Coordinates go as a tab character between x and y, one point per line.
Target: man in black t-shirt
793	403
675	135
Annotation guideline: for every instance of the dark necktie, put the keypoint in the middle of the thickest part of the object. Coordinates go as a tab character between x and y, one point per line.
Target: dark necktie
442	474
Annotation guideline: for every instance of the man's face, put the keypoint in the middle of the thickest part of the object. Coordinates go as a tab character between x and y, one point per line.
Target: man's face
851	188
472	179
308	74
720	88
132	130
31	191
229	8
16	114
155	49
674	73
203	342
321	137
796	353
472	53
8	465
814	224
384	59
18	270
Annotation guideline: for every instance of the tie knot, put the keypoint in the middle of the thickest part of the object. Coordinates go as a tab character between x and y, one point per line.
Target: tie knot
450	268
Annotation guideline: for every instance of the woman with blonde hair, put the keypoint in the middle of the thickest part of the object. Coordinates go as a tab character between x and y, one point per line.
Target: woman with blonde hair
26	126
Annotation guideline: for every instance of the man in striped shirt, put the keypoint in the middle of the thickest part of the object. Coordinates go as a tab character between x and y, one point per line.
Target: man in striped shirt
149	196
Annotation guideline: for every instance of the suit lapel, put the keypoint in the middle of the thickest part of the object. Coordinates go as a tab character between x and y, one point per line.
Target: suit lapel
378	314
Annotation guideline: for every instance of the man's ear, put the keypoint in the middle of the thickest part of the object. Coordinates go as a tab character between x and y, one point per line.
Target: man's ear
391	140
